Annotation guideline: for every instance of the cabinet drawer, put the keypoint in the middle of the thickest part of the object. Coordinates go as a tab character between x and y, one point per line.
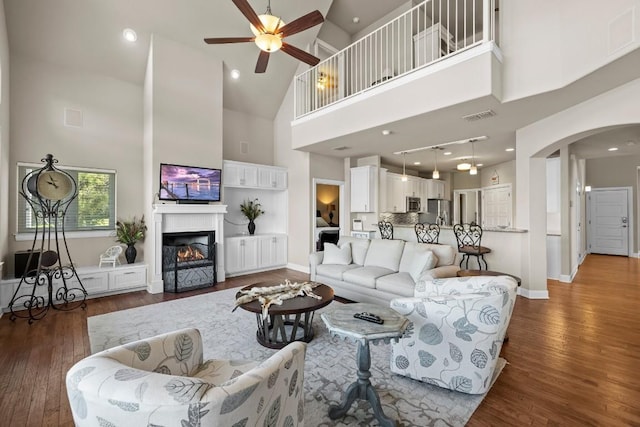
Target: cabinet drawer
93	283
127	279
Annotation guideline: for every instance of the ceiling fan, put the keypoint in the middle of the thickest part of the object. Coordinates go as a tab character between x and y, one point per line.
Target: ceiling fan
269	33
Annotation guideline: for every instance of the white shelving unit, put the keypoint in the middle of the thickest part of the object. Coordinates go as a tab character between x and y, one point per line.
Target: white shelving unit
267	248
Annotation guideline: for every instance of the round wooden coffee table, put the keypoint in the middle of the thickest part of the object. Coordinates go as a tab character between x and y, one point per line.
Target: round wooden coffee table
291	321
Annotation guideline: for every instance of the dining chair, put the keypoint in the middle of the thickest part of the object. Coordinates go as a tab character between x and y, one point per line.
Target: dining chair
469	238
427	233
386	229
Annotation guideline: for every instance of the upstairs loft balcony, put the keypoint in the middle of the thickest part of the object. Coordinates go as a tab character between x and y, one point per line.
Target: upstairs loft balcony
437	44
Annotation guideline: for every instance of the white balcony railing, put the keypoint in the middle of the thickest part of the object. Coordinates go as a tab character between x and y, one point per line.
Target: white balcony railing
427	33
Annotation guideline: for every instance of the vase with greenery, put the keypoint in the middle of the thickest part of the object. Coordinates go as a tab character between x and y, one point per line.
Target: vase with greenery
251	209
129	232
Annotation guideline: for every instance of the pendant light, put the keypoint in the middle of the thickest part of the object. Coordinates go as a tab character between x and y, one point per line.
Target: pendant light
404	167
473	170
436	174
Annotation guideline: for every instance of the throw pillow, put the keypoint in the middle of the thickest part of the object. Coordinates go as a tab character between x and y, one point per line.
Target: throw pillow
333	254
416	259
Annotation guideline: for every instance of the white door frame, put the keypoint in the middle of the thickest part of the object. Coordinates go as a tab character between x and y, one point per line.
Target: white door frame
342	217
631	218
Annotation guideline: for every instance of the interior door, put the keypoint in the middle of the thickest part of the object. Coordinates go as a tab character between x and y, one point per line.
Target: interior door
609	222
496	206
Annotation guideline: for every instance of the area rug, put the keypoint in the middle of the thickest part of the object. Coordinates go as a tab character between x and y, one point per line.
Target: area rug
330	364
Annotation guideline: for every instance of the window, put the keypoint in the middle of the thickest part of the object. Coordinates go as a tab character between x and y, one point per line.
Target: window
93	209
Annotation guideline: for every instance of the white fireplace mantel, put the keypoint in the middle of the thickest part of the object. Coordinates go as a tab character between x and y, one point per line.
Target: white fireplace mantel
178	218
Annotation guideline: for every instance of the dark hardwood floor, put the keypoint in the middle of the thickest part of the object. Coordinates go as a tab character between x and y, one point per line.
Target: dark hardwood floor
572	359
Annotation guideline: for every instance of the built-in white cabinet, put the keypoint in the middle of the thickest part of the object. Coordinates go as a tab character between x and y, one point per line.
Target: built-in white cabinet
241	254
271	177
273	251
436	189
398	190
363	189
247	254
96	281
267	249
431	44
237	174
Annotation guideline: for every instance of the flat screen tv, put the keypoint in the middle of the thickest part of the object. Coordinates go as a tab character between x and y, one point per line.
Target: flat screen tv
189	184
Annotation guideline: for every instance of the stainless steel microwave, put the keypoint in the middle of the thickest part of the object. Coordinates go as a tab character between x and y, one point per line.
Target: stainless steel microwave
413	204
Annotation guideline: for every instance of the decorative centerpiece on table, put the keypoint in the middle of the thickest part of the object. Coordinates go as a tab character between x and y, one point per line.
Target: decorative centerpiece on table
130	232
276	294
251	209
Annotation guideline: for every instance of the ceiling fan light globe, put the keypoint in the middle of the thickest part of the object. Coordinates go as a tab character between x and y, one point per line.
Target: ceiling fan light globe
271	24
269	42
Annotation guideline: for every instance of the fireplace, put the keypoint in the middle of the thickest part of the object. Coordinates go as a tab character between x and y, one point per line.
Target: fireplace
188	260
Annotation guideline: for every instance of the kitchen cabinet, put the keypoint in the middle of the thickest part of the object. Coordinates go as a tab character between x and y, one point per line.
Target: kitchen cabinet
436	189
397	192
363	189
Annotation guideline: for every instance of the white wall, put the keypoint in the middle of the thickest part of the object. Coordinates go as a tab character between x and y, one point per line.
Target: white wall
563	41
536	141
256	132
111	136
334	35
183	120
4	137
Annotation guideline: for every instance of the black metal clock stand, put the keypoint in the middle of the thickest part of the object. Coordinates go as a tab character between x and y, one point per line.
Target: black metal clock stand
49	191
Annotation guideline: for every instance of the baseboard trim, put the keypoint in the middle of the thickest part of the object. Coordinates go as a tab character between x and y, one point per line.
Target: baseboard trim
529	294
298	267
635	255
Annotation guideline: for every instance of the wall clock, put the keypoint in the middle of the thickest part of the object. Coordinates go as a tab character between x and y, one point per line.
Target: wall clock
54	185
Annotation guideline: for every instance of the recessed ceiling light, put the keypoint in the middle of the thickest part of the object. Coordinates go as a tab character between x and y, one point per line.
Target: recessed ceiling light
129	35
355	20
509	149
235	74
386	132
416	163
613	149
447	153
479	164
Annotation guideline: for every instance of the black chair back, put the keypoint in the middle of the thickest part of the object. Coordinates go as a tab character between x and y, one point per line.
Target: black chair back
468	237
427	233
386	229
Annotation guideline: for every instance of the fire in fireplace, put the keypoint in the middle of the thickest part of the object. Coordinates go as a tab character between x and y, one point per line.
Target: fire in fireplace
188	260
190	253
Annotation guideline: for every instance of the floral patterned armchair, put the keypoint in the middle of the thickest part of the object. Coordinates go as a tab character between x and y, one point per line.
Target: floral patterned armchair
458	326
164	381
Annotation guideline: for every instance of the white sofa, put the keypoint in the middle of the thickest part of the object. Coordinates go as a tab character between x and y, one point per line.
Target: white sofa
377	271
456	333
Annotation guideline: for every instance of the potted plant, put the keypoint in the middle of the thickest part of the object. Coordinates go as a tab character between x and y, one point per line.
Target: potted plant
129	232
252	209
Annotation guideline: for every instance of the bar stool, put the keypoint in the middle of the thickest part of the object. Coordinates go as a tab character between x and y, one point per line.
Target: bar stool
386	229
469	237
427	233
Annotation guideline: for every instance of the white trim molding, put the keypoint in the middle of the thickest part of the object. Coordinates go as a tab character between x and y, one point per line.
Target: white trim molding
529	294
298	267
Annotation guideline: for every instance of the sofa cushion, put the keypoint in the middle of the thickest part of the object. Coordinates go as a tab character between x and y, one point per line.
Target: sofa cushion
400	284
337	255
359	248
416	259
445	254
384	253
334	271
365	276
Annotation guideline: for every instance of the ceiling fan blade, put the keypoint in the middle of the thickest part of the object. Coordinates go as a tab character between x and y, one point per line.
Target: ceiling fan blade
309	20
299	54
263	60
221	40
250	14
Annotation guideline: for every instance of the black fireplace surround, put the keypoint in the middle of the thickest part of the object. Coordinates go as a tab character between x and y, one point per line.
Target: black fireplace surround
189	260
